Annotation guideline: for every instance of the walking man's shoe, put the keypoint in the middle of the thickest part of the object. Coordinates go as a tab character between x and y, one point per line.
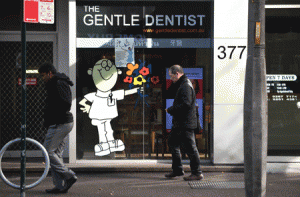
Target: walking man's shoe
172	174
69	183
194	177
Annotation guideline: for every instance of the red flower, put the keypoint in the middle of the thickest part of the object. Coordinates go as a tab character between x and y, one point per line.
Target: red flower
144	71
155	80
128	80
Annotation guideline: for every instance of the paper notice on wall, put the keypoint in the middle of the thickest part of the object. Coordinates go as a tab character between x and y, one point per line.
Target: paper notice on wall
124	51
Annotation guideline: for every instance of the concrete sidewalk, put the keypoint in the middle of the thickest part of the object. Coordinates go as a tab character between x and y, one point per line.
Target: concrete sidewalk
146	178
154	184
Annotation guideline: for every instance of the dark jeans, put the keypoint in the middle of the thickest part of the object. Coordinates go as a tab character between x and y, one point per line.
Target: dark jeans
185	139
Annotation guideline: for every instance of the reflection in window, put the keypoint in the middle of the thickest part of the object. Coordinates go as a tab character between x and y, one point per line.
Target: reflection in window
283	83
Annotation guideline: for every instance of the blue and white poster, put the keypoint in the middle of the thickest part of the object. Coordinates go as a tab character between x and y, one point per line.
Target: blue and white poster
196	77
124	51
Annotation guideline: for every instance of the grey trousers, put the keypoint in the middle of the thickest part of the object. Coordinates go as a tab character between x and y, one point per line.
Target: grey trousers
54	144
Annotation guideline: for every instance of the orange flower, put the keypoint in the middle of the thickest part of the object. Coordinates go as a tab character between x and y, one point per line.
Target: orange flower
131	68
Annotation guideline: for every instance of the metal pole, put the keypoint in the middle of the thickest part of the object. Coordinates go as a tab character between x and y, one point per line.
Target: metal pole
23	126
255	104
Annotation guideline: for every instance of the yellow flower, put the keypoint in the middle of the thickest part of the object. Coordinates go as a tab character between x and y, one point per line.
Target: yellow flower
139	80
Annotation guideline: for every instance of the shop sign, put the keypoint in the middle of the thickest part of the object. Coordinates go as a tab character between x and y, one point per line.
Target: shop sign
29	81
163	20
282	84
285	77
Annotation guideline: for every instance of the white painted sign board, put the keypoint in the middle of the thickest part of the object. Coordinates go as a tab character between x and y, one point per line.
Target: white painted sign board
46	11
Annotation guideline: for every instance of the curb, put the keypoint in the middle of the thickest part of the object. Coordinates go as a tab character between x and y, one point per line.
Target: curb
119	168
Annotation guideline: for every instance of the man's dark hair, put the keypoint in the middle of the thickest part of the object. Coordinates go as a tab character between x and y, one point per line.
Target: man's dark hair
176	69
46	68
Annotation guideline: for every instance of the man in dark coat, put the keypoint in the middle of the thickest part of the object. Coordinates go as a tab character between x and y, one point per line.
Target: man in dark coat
59	122
184	122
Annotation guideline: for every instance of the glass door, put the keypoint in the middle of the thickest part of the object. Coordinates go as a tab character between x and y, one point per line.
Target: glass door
141	126
283	62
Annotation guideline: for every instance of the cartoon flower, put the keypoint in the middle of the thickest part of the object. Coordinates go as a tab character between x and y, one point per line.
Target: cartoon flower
155	80
131	68
139	80
144	71
128	79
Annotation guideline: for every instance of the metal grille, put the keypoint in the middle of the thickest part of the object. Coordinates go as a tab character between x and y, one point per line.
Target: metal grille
37	53
217	184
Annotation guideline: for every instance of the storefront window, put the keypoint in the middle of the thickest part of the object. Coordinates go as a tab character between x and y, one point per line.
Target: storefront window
123	52
283	75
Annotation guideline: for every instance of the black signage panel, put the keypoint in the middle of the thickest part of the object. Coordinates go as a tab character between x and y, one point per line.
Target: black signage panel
147	20
283	84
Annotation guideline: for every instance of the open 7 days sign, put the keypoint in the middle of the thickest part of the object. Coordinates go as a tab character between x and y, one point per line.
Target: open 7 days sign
39	11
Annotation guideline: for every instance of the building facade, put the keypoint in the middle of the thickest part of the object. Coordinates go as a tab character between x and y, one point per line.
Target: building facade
117	53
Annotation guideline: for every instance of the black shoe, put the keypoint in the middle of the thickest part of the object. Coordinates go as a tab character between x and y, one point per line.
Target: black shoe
69	183
172	174
194	177
54	191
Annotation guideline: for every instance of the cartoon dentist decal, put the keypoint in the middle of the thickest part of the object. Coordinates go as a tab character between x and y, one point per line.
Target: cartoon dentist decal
104	105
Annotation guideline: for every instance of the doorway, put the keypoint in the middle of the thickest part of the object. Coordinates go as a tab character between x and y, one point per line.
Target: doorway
40	49
141	123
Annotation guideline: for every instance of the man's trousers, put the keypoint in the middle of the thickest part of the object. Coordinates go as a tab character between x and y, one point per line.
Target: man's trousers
54	144
184	138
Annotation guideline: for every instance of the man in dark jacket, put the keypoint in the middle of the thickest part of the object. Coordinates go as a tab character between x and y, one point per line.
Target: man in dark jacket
59	122
184	122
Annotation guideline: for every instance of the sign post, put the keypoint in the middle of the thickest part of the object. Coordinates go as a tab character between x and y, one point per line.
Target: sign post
23	124
34	11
